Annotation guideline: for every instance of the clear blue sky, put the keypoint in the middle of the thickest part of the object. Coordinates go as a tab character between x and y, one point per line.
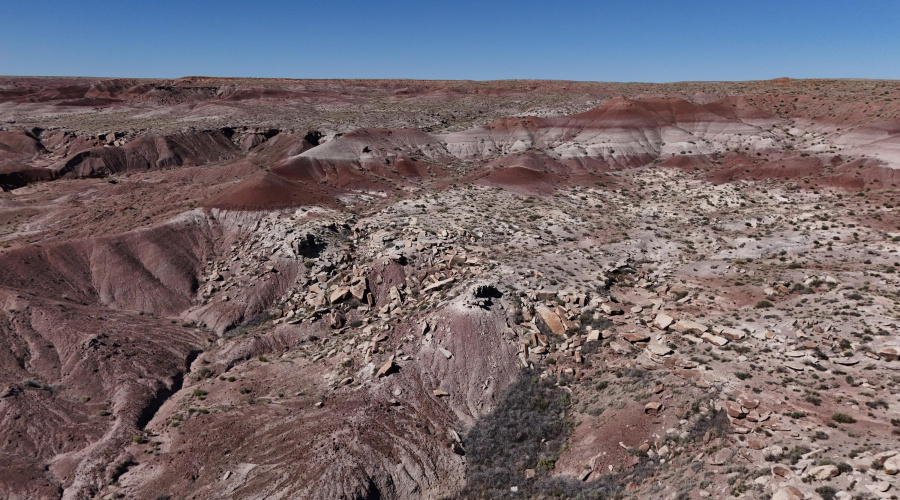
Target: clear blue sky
628	40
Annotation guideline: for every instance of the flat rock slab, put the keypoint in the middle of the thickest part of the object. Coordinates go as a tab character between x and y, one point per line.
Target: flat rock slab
659	349
714	339
722	456
663	321
612	309
687	326
620	347
729	333
438	285
824	472
636	337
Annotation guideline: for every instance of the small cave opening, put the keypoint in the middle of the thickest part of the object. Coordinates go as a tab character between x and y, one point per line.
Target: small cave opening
313	137
311	247
484	295
487	292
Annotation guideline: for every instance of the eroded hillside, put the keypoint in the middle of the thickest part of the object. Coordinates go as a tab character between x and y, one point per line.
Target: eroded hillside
222	288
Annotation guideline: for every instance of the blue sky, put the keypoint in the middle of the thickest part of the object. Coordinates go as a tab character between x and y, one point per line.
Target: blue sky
650	40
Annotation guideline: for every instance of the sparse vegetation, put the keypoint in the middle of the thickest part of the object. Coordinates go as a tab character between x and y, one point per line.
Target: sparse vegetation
842	418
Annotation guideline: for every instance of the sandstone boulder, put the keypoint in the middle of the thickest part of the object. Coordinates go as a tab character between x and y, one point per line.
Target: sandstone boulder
782	472
636	337
335	320
892	465
722	456
879	458
748	402
386	369
734	410
653	408
788	493
339	294
359	290
620	347
756	444
548	321
824	472
889	353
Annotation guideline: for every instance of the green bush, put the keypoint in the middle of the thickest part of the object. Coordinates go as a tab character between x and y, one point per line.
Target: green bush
878	403
819	435
842	418
826	492
796	453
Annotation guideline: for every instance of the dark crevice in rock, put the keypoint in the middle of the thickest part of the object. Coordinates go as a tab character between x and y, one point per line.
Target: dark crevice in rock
164	393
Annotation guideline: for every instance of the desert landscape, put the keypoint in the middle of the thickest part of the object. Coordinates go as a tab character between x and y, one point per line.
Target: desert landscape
394	289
